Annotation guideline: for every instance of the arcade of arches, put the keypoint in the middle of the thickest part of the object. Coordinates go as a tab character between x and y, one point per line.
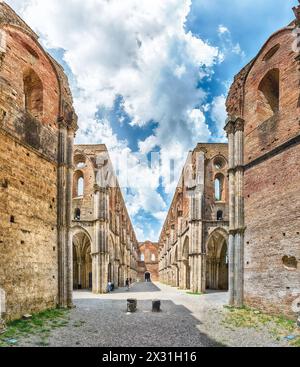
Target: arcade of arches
105	248
193	242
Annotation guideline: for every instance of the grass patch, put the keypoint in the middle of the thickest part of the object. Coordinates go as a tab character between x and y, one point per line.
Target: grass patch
39	325
195	293
278	326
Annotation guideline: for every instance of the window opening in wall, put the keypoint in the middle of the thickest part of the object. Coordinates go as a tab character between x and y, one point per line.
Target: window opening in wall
268	96
33	92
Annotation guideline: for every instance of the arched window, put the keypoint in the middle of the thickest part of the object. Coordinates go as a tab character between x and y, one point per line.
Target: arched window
80	186
268	101
153	257
33	91
219	215
219	188
77	214
142	257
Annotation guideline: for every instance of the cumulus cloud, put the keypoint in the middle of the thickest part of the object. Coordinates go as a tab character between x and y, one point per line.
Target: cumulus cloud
142	52
219	115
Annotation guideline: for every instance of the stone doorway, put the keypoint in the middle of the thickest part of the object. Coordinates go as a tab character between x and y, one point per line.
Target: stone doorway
217	261
82	262
147	276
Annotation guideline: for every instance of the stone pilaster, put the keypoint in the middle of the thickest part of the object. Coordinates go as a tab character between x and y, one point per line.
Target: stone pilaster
196	237
231	177
101	209
235	133
69	248
64	215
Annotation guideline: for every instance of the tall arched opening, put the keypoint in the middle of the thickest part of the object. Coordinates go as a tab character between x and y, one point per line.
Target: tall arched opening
82	262
186	264
217	261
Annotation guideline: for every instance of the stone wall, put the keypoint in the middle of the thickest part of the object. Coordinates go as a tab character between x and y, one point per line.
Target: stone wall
37	125
28	235
264	154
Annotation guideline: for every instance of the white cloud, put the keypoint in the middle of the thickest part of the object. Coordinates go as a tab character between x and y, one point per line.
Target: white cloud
228	46
222	29
142	52
219	115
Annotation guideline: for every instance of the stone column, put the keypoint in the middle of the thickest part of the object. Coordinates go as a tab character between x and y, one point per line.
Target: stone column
61	217
231	173
115	276
239	212
64	203
235	132
197	247
69	182
101	256
96	263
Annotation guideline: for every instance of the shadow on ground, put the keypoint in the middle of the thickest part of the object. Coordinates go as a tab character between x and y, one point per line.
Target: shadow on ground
106	323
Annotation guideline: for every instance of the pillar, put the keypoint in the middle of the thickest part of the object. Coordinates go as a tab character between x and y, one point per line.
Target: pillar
65	170
101	209
235	133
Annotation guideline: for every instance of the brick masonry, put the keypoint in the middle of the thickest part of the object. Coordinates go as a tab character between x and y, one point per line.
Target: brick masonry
148	260
271	173
30	172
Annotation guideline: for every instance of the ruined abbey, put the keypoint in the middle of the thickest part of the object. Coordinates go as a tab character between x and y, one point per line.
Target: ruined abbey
233	224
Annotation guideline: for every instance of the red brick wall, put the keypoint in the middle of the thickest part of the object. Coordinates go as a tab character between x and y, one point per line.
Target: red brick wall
272	190
18	59
147	249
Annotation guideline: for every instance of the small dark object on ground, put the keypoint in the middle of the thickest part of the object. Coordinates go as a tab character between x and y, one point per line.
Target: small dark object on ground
131	305
156	306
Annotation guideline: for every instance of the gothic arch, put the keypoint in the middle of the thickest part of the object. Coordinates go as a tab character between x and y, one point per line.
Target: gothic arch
186	263
78	229
217	260
82	260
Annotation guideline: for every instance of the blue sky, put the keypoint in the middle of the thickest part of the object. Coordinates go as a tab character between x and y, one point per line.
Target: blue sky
152	76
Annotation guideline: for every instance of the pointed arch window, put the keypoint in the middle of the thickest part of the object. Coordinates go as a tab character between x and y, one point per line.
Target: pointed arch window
78	184
268	96
219	188
33	92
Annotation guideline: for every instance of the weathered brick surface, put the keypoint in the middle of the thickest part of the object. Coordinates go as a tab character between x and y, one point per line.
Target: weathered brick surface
271	178
262	136
34	95
28	262
272	206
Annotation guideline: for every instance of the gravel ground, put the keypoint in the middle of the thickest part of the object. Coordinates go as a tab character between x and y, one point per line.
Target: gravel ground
185	321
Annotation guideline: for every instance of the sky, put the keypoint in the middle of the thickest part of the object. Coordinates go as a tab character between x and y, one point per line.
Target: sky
150	78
